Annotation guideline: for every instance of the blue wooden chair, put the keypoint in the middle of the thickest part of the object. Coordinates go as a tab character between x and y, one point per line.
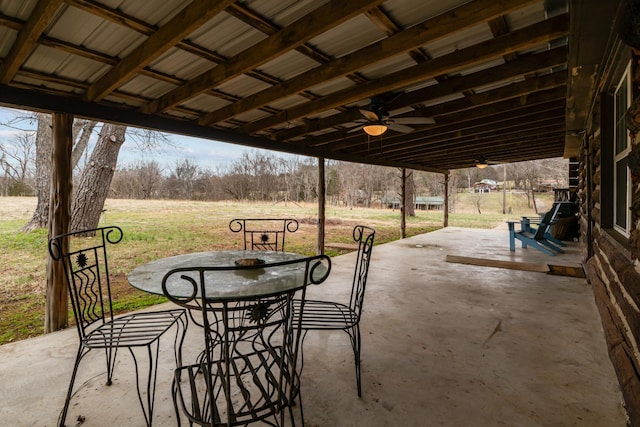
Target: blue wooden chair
534	238
559	210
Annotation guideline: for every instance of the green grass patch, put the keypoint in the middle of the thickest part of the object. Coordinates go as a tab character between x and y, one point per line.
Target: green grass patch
159	228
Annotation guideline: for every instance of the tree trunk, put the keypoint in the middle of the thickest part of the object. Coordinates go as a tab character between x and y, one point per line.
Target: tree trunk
410	192
43	173
82	130
93	186
81	133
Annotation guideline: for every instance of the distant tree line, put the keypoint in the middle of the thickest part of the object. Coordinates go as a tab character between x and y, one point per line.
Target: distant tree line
256	176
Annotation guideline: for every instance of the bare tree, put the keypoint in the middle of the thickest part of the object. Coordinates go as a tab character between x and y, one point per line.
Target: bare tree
17	160
149	179
350	181
333	184
43	173
478	201
307	180
182	178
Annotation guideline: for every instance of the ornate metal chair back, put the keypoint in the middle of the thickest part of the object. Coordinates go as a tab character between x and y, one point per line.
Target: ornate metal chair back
86	270
264	234
364	236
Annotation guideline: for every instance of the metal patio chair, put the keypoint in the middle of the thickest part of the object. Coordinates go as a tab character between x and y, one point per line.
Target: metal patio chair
247	370
264	234
86	272
330	315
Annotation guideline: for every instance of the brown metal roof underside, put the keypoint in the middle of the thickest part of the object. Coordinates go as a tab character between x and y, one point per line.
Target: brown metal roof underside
293	75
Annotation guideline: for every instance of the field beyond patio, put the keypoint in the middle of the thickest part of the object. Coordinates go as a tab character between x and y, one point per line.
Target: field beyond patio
158	228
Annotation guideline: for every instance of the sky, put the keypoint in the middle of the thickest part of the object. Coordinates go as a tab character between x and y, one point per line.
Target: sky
206	153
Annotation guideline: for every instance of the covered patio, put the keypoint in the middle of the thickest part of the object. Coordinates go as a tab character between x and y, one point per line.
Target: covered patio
443	344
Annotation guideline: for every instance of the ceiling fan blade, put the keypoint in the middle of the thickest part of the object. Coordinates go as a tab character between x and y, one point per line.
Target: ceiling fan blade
353	129
400	128
414	120
370	115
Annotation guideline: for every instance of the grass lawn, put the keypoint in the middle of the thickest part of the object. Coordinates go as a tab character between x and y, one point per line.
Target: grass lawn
158	228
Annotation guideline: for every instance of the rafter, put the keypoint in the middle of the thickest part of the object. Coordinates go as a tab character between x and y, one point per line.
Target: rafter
325	17
530	63
433	29
27	38
187	20
458	119
523	39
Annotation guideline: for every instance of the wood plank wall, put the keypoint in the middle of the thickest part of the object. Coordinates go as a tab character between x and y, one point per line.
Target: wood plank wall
614	278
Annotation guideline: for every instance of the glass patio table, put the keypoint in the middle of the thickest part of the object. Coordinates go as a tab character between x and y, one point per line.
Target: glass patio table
227	285
247	369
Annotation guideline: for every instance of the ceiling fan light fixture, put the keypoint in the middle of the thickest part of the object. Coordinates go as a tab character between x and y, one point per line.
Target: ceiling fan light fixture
481	165
375	129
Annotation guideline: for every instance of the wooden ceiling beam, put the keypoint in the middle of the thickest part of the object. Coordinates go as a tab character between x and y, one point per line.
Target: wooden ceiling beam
493	127
252	18
11	22
498	101
27	39
184	23
499	151
529	63
490	124
433	29
526	146
134	24
320	20
450	134
113	15
255	20
383	21
469	140
526	64
523	39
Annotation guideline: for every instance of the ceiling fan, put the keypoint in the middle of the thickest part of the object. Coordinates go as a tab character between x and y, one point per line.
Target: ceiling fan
482	162
378	120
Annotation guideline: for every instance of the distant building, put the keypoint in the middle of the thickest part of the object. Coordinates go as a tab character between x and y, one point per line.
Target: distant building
432	203
485	186
423	203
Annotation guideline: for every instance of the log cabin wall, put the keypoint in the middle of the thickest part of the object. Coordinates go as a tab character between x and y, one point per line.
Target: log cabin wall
610	254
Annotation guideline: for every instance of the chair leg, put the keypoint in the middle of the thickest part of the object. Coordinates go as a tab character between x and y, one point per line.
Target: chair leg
181	330
174	397
152	353
356	344
111	353
63	414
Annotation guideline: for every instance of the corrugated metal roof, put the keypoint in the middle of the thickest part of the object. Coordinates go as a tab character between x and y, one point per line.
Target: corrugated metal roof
275	71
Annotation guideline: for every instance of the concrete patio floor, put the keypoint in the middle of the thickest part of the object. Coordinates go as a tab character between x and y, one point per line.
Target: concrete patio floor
444	344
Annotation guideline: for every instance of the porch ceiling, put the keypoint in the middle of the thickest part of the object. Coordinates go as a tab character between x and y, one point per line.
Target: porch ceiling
293	75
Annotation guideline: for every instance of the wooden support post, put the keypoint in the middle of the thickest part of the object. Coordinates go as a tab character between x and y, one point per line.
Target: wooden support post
504	189
322	191
57	302
403	206
446	200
